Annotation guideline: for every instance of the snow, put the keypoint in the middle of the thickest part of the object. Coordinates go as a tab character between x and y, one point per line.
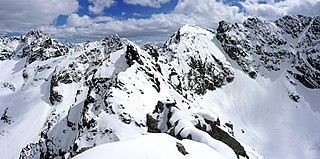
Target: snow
150	146
272	122
186	128
26	109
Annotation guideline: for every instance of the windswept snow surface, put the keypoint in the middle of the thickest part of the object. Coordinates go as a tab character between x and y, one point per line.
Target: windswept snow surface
151	146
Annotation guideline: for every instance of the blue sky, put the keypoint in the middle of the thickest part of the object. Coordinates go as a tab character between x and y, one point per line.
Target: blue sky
123	10
155	20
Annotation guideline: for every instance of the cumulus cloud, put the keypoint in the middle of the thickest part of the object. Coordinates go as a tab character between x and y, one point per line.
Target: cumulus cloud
209	12
21	15
272	10
98	6
85	28
148	3
205	13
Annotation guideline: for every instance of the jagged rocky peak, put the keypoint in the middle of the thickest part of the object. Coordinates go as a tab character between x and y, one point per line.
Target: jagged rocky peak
114	42
202	66
34	37
254	23
35	45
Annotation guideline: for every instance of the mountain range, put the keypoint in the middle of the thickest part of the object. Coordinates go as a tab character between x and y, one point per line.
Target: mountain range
244	90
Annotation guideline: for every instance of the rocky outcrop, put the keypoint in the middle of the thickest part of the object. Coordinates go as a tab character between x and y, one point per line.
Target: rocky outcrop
166	119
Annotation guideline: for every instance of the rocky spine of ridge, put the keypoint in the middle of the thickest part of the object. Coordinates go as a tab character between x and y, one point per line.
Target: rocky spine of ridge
260	47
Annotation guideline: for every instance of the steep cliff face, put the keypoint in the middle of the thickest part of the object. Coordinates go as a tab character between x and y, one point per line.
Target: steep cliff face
234	90
290	43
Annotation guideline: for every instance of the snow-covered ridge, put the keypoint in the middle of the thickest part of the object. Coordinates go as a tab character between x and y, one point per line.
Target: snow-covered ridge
69	99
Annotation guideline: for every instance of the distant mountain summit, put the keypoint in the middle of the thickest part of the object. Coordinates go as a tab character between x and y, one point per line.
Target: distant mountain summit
290	43
248	90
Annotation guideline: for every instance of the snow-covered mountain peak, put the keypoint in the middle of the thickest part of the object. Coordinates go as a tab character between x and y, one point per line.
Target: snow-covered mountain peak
197	60
195	30
35	37
35	45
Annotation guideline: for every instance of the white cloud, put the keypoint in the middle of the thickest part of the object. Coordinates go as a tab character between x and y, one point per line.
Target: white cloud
86	28
21	15
98	6
205	13
209	12
148	3
305	7
74	20
272	10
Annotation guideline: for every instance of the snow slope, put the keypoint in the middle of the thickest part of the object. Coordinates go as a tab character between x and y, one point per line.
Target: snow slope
272	123
162	146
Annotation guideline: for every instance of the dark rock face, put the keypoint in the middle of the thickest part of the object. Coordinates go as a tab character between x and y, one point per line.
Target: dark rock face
218	134
152	125
132	56
260	47
202	76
